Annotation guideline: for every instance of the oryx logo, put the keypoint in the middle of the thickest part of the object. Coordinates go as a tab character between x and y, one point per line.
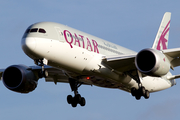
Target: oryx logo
162	39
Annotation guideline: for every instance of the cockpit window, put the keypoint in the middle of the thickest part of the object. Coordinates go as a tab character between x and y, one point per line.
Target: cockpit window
27	31
42	30
34	30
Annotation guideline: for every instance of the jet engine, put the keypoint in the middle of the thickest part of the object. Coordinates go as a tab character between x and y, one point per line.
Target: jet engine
19	78
152	62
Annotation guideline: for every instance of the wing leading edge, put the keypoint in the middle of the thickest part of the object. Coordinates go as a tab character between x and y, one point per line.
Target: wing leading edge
124	63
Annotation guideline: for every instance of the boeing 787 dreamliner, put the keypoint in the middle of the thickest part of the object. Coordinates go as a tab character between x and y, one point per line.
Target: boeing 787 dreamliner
64	54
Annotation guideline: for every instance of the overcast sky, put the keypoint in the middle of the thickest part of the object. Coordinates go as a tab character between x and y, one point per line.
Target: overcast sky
129	23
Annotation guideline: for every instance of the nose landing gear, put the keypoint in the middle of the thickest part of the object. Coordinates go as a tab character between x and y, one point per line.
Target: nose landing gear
43	72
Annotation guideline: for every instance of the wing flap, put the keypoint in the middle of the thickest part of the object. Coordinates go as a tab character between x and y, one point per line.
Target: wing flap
56	75
121	63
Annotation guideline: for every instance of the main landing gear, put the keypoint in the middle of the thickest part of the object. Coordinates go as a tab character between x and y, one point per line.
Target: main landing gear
141	91
77	99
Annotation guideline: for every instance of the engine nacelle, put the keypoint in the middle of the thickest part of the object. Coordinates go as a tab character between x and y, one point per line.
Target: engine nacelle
19	78
152	62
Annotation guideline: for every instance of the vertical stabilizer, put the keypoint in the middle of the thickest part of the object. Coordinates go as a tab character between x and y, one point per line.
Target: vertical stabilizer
161	40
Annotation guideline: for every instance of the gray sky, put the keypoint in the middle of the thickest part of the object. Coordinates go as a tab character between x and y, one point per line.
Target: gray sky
129	23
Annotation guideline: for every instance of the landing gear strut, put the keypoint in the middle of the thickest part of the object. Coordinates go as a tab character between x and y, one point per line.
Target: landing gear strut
43	72
141	91
77	99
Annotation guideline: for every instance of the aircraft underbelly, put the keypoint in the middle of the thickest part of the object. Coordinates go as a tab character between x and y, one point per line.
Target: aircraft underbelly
152	84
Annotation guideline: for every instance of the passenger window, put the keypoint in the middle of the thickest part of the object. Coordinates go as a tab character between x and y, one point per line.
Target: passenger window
42	30
34	30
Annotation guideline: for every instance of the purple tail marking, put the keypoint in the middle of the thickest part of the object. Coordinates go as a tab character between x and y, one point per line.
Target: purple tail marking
162	39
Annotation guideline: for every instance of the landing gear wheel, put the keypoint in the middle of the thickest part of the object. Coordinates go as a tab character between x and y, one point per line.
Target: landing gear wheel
138	97
83	101
75	100
45	73
74	103
142	90
147	95
78	98
41	63
69	99
42	74
133	91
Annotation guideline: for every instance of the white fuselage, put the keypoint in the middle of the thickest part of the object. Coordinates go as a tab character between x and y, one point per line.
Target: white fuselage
80	53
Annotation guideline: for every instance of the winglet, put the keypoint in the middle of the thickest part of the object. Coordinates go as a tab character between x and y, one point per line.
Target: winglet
161	40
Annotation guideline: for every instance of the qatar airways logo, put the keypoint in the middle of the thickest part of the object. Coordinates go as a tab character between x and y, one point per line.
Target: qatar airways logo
85	42
162	39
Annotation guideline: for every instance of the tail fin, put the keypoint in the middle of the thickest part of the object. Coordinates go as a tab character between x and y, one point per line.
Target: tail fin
161	40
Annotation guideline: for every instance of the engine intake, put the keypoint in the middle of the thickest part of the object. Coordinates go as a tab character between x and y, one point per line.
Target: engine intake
19	78
152	62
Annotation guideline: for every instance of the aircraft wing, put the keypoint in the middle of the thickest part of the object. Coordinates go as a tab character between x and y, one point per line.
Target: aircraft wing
54	74
121	63
124	63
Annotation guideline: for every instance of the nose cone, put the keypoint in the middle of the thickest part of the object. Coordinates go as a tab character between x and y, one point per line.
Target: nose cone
28	45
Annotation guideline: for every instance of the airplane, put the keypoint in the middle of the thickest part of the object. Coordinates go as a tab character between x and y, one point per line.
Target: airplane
64	54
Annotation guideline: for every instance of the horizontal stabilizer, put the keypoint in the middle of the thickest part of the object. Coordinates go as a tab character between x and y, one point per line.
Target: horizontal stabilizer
173	77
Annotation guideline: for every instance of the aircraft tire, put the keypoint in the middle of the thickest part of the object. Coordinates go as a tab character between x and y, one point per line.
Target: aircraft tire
133	91
77	98
74	103
45	73
147	95
142	90
138	97
69	99
42	74
83	101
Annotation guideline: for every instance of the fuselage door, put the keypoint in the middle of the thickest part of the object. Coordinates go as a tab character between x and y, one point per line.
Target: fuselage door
60	34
